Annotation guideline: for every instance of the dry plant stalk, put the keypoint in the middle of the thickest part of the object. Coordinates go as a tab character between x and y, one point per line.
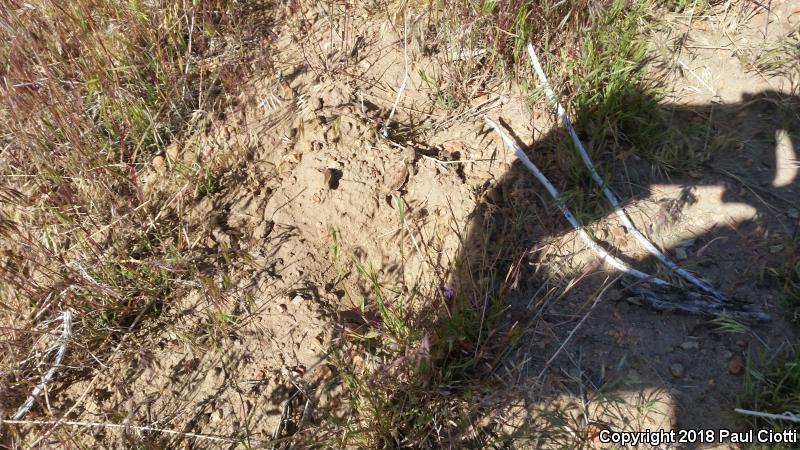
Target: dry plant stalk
607	192
120	427
561	204
62	350
385	128
788	415
651	290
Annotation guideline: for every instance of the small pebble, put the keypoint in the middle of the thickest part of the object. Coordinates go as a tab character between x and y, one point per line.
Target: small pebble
172	151
676	370
680	254
736	365
690	345
158	164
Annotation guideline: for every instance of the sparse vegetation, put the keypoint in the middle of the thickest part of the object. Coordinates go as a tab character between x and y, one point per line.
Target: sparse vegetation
774	389
778	60
787	274
102	103
93	93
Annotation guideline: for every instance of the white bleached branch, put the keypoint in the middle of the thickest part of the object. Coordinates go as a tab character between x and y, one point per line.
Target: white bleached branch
118	426
610	196
62	350
791	417
600	251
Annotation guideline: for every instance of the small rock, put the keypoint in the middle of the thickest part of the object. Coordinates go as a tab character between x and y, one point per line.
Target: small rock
736	365
680	254
172	151
297	299
676	370
158	164
220	236
793	212
409	154
690	345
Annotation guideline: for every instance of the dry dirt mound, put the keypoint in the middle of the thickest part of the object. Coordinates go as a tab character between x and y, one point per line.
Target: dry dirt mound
299	176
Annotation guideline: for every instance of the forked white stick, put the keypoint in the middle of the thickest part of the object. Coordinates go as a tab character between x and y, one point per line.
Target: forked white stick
788	415
62	350
612	198
601	252
119	426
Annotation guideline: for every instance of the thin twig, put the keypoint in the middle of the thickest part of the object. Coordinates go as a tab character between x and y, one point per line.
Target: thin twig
119	426
96	377
574	330
458	161
601	252
610	196
790	416
385	129
62	350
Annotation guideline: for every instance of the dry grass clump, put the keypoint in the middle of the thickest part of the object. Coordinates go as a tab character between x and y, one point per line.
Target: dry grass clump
595	55
90	92
772	385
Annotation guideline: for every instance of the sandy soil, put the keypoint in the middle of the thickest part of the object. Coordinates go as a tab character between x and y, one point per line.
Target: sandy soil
305	177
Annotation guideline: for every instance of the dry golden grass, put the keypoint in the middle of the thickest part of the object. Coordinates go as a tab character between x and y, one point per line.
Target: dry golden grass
90	92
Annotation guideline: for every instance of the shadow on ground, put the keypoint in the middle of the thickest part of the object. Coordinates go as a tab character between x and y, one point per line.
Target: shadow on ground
684	371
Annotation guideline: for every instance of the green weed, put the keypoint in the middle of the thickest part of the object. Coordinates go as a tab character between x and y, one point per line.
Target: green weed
774	390
788	275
